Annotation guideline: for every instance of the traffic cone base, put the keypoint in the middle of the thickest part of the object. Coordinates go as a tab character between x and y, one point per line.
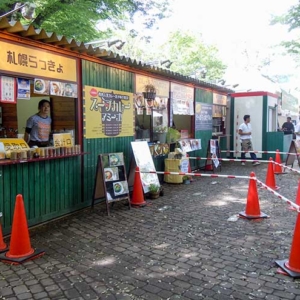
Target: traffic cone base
137	198
3	246
16	261
245	216
284	265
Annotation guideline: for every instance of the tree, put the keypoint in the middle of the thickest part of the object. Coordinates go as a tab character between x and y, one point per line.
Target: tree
191	56
292	20
79	19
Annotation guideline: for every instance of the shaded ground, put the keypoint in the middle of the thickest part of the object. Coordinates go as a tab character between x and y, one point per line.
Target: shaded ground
181	246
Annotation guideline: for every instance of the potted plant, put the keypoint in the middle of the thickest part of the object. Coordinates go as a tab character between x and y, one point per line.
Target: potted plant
154	191
150	93
186	179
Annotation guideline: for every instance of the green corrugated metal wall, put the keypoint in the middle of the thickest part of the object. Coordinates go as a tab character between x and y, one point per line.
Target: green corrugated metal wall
97	75
203	96
50	189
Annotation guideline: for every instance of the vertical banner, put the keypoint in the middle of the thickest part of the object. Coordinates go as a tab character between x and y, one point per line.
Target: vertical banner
108	113
183	99
203	116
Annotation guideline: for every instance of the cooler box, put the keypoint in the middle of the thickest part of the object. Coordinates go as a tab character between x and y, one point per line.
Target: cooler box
175	165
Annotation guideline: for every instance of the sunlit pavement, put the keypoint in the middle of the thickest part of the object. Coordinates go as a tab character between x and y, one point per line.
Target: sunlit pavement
180	246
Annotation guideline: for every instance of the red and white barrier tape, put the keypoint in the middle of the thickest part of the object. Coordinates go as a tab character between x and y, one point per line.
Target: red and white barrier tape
283	166
231	159
257	151
297	207
196	174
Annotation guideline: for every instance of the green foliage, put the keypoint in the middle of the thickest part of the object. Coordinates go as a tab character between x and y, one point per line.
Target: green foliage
153	188
292	20
79	19
189	53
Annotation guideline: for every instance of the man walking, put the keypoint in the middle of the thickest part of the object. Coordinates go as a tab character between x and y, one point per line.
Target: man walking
288	126
245	131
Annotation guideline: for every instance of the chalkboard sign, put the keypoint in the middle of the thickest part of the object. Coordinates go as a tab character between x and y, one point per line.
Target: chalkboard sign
294	149
110	180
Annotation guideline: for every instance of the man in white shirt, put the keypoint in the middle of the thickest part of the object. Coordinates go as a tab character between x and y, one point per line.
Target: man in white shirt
245	131
297	131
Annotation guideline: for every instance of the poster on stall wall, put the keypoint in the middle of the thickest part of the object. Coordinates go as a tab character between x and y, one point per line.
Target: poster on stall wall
183	99
139	103
70	90
23	89
203	116
108	113
8	89
56	88
41	86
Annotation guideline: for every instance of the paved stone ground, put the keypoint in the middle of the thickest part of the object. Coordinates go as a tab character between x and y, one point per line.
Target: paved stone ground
181	246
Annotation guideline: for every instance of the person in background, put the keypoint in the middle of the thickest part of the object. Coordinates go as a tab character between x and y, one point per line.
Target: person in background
245	131
38	126
288	126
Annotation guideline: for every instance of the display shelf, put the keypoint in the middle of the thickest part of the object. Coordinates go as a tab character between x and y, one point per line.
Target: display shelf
22	161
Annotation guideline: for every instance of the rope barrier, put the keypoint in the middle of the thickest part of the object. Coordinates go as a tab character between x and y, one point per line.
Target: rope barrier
257	151
195	174
231	159
286	167
297	207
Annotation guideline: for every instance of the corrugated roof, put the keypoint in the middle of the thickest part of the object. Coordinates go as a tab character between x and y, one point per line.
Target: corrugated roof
28	31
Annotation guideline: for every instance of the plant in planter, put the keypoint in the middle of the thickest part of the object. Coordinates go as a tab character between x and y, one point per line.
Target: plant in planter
186	179
154	191
149	94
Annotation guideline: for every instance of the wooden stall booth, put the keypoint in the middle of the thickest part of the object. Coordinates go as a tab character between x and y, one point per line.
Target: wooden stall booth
49	178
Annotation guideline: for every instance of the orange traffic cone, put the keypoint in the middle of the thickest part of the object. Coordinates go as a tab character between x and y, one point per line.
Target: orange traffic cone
20	247
270	179
3	246
297	201
277	167
291	266
189	168
137	198
252	207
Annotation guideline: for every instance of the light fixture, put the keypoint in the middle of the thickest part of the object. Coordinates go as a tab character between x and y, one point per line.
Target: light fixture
27	10
167	62
108	43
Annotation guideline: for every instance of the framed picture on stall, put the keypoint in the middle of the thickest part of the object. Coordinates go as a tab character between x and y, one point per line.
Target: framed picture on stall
8	89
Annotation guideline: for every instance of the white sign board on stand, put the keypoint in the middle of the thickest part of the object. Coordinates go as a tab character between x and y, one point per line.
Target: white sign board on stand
145	163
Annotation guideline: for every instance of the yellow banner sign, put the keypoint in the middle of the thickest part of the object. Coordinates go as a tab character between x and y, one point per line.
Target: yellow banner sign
36	62
14	144
162	87
62	140
219	99
108	113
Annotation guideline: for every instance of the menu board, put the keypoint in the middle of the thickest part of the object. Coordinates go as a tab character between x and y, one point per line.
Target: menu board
294	149
7	89
111	181
203	118
145	163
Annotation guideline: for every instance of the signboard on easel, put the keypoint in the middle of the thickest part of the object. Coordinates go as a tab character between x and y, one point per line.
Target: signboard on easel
294	151
144	161
111	181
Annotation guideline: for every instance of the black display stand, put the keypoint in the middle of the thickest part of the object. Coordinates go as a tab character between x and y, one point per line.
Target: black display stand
210	165
294	148
110	180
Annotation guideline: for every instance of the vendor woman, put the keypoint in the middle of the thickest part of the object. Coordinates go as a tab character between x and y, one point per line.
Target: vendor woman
38	126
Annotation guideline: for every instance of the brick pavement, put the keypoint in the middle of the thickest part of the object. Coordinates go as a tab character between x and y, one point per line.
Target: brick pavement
181	246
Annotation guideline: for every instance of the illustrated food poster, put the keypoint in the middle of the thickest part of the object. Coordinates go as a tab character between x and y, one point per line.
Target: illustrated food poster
107	113
145	163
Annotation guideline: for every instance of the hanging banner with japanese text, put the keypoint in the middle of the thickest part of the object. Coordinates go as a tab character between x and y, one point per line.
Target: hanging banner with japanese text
36	62
108	113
